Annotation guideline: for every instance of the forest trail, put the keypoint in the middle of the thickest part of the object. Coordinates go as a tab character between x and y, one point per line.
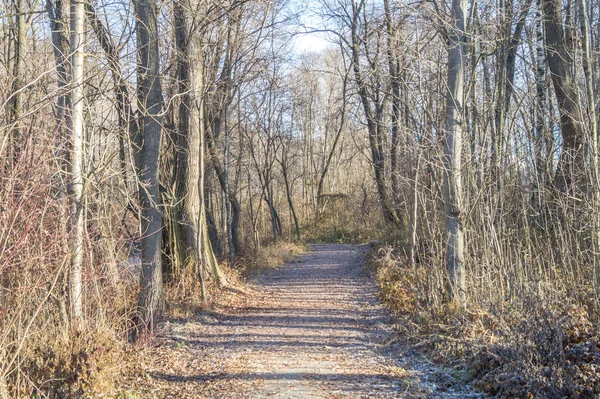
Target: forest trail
311	329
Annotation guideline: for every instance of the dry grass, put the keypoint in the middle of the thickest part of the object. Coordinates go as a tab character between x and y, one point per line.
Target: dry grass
347	226
88	364
183	295
270	256
42	353
533	347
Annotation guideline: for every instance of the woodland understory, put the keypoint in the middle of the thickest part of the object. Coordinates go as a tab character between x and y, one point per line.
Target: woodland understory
154	154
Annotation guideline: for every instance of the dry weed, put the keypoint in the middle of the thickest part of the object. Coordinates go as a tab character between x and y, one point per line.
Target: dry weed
531	346
270	257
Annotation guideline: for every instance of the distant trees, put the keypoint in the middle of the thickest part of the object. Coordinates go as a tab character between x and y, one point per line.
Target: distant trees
486	127
465	132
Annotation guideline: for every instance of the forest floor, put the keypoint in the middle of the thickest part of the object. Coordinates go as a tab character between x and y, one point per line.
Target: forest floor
310	329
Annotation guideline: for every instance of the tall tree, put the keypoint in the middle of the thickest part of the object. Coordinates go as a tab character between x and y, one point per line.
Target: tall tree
394	70
149	96
195	245
453	149
373	99
593	137
561	62
16	99
77	135
543	141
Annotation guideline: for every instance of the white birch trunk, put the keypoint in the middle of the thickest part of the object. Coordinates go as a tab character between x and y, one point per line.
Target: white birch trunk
77	183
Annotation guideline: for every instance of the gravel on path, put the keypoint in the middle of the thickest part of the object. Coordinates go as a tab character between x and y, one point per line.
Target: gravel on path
310	329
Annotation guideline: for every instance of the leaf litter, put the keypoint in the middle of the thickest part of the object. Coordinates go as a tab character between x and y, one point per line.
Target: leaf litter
310	329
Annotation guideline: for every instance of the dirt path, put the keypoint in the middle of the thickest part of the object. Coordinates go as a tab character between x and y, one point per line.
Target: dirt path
309	330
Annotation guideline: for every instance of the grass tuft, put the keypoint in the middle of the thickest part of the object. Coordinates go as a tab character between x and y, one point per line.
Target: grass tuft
270	257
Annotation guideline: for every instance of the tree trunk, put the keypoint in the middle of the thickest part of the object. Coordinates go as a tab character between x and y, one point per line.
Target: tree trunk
288	192
77	183
374	117
543	141
236	209
126	117
58	15
59	27
592	120
186	148
149	96
452	152
208	260
16	98
229	218
192	130
275	223
571	164
394	72
413	227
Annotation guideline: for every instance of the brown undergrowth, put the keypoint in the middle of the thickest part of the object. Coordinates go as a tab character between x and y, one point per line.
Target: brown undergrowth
64	362
43	353
270	256
345	228
528	347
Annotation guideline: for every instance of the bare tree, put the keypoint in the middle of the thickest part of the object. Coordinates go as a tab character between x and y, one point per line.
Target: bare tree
560	59
147	143
191	140
453	149
16	100
76	161
372	97
592	122
126	117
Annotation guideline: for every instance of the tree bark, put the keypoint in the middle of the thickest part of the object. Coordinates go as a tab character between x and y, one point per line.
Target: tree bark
543	141
149	96
228	211
16	97
77	183
126	117
58	15
592	120
288	191
236	209
395	84
59	27
374	116
571	164
453	150
190	178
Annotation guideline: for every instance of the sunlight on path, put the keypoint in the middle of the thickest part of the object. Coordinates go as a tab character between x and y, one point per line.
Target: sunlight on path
310	330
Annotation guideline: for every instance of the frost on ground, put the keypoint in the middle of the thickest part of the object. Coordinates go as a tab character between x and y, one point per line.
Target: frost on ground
311	329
